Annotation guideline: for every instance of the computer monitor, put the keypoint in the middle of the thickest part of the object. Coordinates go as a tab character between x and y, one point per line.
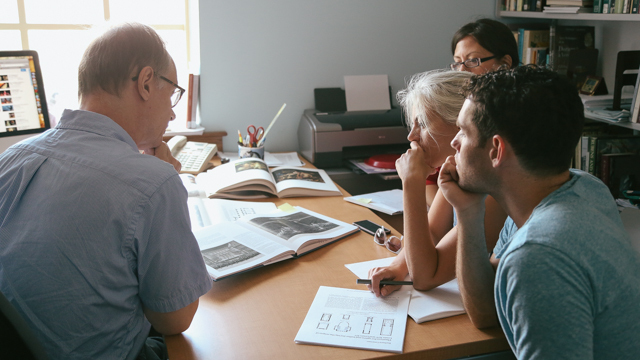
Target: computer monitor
23	105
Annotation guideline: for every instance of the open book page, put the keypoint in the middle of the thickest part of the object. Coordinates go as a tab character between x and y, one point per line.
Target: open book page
295	181
389	202
301	230
356	319
441	302
193	189
249	174
204	212
233	247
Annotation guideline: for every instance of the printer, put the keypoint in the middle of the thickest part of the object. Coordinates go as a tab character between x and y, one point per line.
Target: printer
327	139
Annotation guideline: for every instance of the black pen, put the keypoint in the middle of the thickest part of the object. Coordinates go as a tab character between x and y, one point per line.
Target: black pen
384	282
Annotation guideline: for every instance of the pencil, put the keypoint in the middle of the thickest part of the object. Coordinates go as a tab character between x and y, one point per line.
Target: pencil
240	138
264	137
384	282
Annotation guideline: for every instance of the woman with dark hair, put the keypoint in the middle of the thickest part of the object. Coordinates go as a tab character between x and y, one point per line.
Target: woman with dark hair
482	46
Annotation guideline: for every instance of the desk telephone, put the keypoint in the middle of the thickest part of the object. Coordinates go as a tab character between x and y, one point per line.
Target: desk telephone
194	156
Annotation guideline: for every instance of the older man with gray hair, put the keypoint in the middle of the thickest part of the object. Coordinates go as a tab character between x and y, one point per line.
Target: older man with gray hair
96	240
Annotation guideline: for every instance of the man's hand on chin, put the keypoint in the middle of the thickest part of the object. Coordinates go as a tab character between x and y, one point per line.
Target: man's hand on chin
448	182
162	152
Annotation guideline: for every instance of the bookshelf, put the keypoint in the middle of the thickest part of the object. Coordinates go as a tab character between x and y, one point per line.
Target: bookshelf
620	24
581	16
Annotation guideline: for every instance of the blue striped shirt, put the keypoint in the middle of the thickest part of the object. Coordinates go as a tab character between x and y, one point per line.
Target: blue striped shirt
90	232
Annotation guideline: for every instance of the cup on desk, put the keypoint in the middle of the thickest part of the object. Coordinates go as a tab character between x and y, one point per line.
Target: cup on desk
250	152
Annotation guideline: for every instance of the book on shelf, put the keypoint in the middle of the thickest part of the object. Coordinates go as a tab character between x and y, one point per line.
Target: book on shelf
441	302
610	144
635	101
388	202
251	178
253	241
356	319
563	39
620	172
530	43
192	100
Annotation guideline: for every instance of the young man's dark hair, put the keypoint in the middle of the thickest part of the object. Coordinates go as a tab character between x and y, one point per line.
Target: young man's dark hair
507	103
492	35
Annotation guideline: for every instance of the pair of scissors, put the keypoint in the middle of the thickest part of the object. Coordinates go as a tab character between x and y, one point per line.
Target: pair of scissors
255	134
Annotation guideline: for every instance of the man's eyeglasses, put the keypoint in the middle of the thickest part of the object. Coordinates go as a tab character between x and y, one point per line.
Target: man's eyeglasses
177	94
392	243
471	63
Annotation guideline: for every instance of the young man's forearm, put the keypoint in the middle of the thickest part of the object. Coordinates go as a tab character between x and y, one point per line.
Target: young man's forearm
474	270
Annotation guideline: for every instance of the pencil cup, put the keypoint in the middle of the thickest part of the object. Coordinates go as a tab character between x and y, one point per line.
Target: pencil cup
251	152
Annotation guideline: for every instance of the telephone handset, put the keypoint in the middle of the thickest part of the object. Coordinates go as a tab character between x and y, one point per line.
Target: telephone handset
194	156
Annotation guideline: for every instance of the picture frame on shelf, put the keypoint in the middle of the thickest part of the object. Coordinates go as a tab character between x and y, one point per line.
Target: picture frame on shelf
594	85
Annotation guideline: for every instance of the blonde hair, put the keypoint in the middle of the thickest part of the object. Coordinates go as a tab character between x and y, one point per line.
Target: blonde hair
435	92
119	54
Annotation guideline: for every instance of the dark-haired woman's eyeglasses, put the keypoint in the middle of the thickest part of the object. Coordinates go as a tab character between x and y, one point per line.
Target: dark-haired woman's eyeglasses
471	63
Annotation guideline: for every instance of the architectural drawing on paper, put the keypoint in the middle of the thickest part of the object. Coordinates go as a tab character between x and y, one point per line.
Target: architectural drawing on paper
343	326
323	325
325	317
387	327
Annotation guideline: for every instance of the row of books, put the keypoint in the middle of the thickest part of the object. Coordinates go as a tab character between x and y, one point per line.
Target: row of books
615	6
610	153
547	5
573	6
568	50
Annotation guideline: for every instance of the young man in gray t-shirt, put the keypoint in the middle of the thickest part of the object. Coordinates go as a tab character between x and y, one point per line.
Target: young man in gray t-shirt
566	281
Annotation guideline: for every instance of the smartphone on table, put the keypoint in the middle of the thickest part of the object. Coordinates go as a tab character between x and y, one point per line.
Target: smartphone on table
370	227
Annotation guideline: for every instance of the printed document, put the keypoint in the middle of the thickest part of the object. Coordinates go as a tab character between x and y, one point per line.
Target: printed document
356	319
441	302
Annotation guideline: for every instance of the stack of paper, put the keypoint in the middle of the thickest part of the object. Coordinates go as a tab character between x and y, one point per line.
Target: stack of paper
441	302
607	115
604	101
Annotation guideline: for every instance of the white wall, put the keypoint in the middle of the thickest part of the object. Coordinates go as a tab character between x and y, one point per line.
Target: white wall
258	54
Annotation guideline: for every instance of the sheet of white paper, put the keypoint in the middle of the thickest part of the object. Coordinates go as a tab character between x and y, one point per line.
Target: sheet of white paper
367	92
283	159
388	202
356	319
441	302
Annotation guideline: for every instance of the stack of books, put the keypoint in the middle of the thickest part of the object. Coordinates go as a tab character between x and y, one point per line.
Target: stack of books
568	6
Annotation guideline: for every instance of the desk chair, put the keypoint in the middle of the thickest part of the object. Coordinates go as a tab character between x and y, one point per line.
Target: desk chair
16	339
627	60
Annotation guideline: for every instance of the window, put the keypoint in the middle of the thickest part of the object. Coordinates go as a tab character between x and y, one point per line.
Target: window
60	31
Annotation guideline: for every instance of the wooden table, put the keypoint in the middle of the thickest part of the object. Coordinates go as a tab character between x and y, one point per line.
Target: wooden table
257	314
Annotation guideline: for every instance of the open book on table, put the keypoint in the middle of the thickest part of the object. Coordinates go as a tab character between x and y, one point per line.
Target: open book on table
251	179
252	241
438	303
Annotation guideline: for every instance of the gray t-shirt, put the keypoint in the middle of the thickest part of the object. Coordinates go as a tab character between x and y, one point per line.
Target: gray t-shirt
568	283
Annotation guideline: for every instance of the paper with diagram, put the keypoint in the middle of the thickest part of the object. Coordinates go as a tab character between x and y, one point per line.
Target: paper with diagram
356	319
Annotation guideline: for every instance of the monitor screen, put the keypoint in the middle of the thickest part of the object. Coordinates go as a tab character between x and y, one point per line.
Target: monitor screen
23	108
